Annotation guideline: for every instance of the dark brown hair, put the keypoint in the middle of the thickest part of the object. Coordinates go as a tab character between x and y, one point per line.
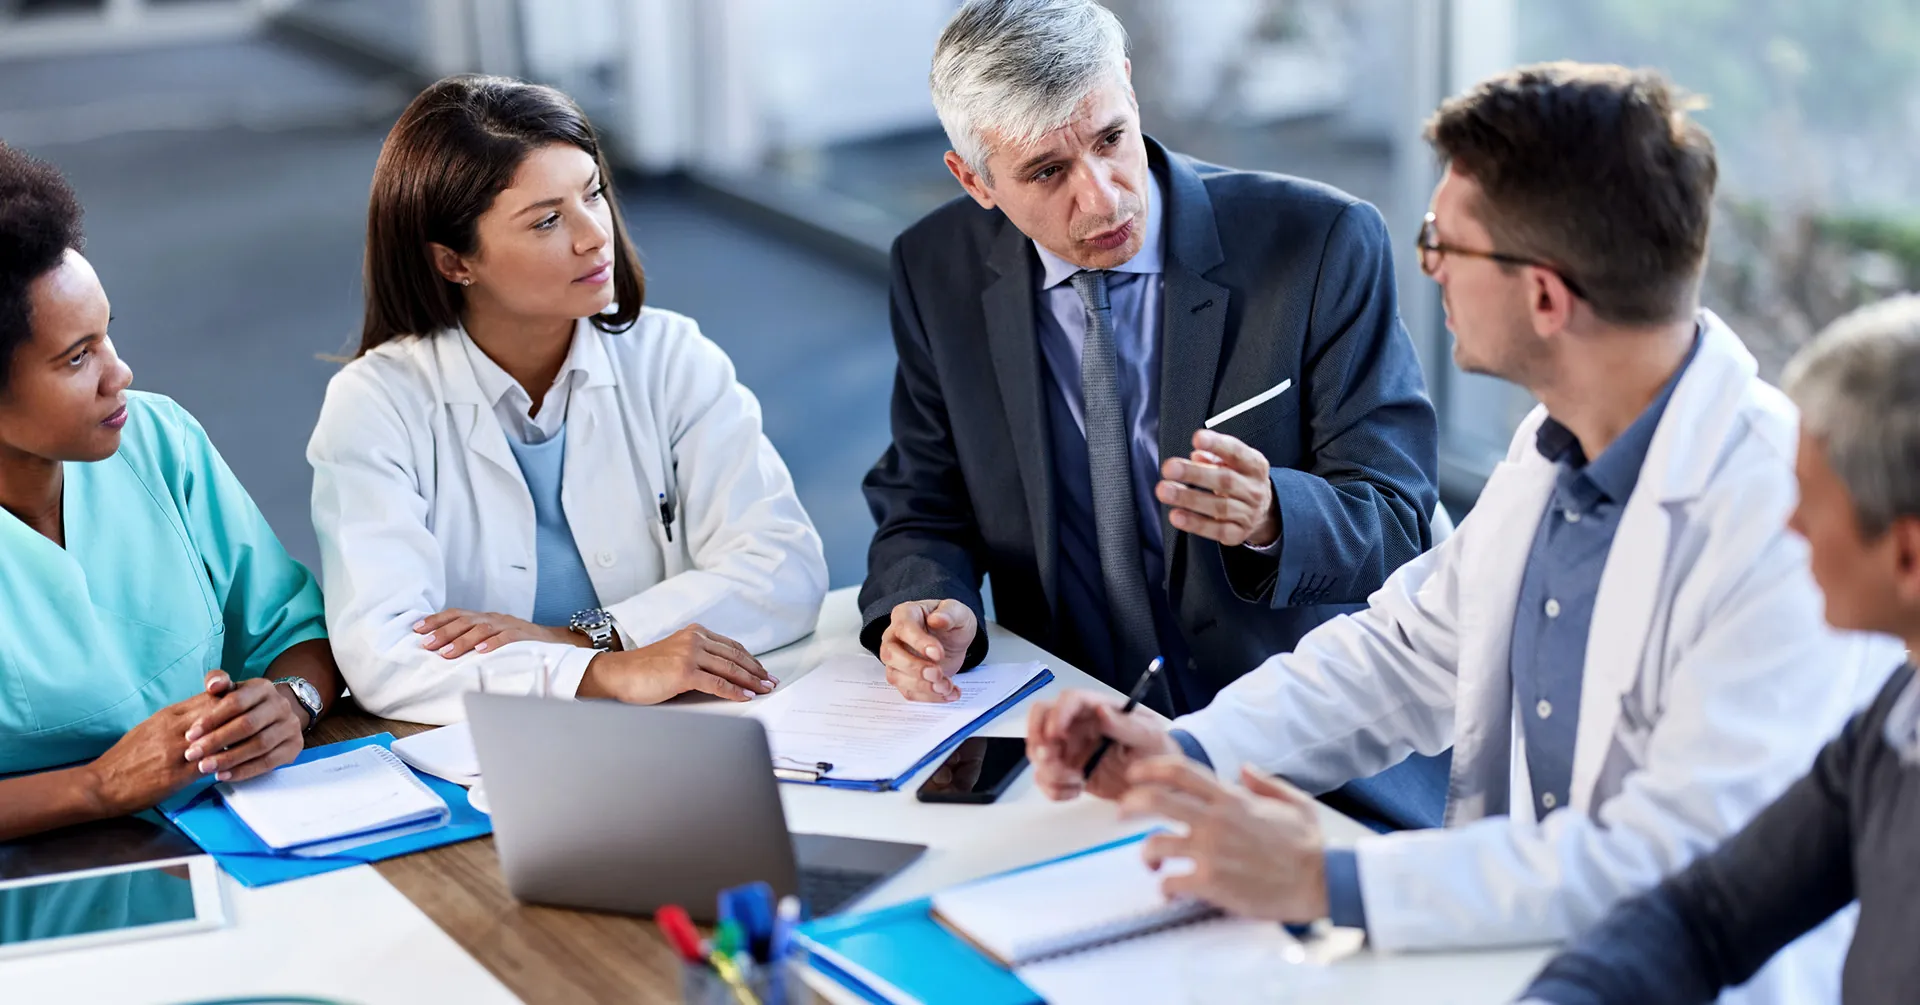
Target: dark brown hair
1596	169
39	221
455	149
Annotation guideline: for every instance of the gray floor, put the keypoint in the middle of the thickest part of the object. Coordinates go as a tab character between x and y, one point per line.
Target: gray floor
232	256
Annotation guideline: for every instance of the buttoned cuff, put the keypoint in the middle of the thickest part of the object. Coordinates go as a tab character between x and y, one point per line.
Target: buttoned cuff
1345	905
1191	747
1271	549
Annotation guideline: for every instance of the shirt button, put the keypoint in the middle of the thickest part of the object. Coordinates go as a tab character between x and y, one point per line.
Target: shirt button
606	559
1544	709
1573	516
1553	608
1549	801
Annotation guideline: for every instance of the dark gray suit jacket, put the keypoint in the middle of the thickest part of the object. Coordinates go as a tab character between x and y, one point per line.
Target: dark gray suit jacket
1268	278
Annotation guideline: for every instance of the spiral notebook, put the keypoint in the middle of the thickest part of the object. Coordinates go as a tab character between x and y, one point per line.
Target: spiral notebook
336	803
1070	906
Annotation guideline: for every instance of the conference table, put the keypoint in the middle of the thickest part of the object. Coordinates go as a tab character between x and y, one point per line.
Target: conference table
440	925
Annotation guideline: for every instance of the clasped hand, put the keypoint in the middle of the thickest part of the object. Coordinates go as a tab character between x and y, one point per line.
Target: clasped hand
230	731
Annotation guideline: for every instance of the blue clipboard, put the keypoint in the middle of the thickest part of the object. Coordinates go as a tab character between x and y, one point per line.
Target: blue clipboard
202	816
901	956
1040	680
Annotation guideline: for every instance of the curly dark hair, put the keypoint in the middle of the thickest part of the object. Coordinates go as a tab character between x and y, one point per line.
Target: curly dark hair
39	221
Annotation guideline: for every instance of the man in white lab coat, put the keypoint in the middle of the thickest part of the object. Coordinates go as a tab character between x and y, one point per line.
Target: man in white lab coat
1623	642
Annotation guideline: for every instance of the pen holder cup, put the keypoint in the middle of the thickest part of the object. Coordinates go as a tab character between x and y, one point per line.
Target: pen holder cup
771	983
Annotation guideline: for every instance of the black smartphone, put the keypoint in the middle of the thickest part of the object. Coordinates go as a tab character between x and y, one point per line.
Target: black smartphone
977	771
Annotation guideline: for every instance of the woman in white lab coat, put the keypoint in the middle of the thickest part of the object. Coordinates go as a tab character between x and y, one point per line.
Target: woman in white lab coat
526	481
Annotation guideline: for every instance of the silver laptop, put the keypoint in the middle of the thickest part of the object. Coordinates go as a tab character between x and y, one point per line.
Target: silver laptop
624	808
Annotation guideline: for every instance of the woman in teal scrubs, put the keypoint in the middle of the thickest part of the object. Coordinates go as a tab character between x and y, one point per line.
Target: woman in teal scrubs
152	628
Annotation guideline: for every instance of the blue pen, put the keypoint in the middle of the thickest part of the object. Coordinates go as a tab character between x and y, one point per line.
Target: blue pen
666	515
785	920
751	907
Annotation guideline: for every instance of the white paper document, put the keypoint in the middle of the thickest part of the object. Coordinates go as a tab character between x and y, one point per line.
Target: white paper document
846	714
446	753
365	789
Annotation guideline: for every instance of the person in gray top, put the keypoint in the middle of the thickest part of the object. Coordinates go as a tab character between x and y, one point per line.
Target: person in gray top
1847	830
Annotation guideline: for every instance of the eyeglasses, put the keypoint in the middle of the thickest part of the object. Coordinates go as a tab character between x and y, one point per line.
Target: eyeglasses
1432	250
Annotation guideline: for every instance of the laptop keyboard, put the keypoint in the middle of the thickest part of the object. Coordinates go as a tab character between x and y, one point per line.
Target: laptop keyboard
828	890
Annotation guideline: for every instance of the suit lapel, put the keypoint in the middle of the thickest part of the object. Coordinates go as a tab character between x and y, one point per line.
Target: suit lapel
1193	321
1015	348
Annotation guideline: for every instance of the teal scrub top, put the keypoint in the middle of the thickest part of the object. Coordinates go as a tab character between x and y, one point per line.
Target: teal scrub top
169	571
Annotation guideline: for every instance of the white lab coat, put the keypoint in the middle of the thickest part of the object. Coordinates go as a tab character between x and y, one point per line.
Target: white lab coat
1710	682
420	506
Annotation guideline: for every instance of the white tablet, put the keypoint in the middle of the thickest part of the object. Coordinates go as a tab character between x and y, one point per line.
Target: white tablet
96	907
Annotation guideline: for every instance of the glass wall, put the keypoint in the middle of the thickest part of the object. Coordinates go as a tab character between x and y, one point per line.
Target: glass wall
1814	107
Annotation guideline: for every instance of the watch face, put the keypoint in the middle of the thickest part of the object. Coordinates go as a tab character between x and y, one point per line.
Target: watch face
306	694
590	620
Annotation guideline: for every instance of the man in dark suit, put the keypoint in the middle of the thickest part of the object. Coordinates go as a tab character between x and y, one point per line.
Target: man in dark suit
1169	408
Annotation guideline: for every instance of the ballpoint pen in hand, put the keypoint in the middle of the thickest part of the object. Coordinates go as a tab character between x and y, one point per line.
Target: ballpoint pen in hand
1139	691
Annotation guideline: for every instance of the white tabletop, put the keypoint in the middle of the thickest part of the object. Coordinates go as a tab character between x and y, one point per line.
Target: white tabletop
350	935
346	935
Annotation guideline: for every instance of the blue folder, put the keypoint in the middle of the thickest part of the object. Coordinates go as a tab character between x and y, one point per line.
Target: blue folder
1040	680
900	955
200	814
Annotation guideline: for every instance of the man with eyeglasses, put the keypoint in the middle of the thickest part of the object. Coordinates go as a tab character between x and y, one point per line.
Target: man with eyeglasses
1622	642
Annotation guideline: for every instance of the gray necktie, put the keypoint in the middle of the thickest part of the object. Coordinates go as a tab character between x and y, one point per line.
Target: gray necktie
1115	515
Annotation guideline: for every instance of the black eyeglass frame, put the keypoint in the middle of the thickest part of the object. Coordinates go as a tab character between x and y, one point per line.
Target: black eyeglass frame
1430	248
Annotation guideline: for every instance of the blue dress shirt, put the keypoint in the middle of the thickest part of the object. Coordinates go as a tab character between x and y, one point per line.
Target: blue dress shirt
1548	654
1134	289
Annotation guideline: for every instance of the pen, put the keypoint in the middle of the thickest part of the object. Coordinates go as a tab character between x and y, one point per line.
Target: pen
809	771
731	974
681	935
679	930
666	515
752	907
1139	691
785	919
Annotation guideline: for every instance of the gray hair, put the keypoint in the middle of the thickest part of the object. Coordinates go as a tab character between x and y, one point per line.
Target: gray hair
1020	69
1858	388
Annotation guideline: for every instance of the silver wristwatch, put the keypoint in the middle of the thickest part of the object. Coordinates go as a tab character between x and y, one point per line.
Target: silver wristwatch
597	626
307	695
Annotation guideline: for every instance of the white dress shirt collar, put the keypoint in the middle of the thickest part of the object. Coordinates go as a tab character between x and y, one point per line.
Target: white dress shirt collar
1150	259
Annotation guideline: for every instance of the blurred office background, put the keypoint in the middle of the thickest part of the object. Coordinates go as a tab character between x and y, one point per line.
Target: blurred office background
772	148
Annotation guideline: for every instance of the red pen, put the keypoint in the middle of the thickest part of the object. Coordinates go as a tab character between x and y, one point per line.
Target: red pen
673	921
680	933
